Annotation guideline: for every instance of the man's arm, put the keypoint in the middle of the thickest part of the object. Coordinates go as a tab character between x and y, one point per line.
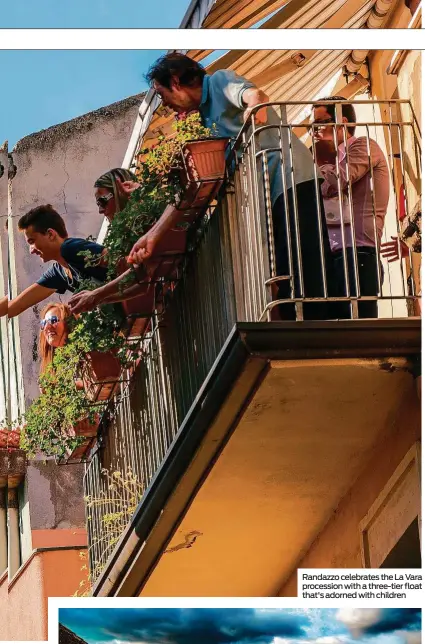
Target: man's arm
4	303
31	296
132	291
144	247
110	292
251	98
355	169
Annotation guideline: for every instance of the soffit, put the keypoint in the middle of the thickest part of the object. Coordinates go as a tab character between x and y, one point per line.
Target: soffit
301	84
295	14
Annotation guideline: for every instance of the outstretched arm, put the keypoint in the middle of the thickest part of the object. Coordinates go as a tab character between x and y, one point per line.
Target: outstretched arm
251	98
110	292
4	302
31	296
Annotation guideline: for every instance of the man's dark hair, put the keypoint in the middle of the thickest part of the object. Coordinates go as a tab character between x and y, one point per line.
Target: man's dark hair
41	219
188	71
347	110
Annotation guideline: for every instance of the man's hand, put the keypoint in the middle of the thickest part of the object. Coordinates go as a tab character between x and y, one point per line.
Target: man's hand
325	152
83	301
251	98
127	187
143	248
260	116
389	250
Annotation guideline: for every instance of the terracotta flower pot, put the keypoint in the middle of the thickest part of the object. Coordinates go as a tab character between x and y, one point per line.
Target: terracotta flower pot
83	429
138	311
10	438
168	255
86	428
203	174
101	373
205	160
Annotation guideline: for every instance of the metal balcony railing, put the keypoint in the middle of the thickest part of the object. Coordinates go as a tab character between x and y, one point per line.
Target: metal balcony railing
233	275
258	280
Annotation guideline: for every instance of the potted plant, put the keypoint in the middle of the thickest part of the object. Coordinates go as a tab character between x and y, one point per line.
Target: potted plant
56	420
103	349
163	173
138	311
86	430
204	168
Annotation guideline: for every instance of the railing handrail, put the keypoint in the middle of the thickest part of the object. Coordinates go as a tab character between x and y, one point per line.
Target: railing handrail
390	101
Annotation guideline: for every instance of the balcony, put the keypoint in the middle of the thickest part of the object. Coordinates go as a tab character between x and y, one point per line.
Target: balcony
248	433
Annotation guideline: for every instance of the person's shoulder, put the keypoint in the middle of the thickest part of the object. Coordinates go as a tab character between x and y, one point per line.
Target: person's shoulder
73	245
222	77
73	242
54	269
364	142
221	74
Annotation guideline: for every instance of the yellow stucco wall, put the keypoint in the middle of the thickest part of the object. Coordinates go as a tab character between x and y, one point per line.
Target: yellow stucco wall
338	545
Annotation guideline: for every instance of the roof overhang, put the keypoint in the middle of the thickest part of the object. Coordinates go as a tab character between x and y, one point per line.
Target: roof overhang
254	359
281	14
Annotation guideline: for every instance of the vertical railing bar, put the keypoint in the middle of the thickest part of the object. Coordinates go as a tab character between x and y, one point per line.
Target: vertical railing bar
319	219
354	312
282	130
375	228
351	210
299	310
402	164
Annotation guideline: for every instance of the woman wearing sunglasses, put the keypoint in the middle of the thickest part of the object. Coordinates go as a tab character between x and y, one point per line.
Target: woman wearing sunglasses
113	190
53	331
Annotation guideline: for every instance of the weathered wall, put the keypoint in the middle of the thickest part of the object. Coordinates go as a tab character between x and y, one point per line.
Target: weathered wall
52	491
3	274
49	573
4	630
3	216
59	166
338	545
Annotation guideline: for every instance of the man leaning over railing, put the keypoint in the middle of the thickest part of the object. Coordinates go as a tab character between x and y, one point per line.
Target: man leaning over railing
226	101
363	171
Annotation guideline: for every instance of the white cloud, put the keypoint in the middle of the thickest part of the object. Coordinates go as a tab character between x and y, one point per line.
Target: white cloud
410	637
357	619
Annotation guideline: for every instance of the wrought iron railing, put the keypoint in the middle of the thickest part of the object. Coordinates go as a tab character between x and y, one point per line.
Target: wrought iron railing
232	275
257	279
178	355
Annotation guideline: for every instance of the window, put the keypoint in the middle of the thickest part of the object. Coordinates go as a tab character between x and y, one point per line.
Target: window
390	531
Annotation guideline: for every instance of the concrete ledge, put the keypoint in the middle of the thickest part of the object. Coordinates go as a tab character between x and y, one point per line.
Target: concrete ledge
227	390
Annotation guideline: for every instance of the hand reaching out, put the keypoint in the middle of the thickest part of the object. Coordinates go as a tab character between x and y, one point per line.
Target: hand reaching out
389	250
143	248
82	302
127	187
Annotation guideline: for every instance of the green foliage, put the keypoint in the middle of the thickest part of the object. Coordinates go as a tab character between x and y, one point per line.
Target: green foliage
158	171
100	330
50	420
116	506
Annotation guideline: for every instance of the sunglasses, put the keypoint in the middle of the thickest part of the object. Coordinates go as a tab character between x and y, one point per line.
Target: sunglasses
102	201
52	319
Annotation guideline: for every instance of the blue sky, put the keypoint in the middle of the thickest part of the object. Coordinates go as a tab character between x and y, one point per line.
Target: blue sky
49	87
44	88
244	625
92	14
